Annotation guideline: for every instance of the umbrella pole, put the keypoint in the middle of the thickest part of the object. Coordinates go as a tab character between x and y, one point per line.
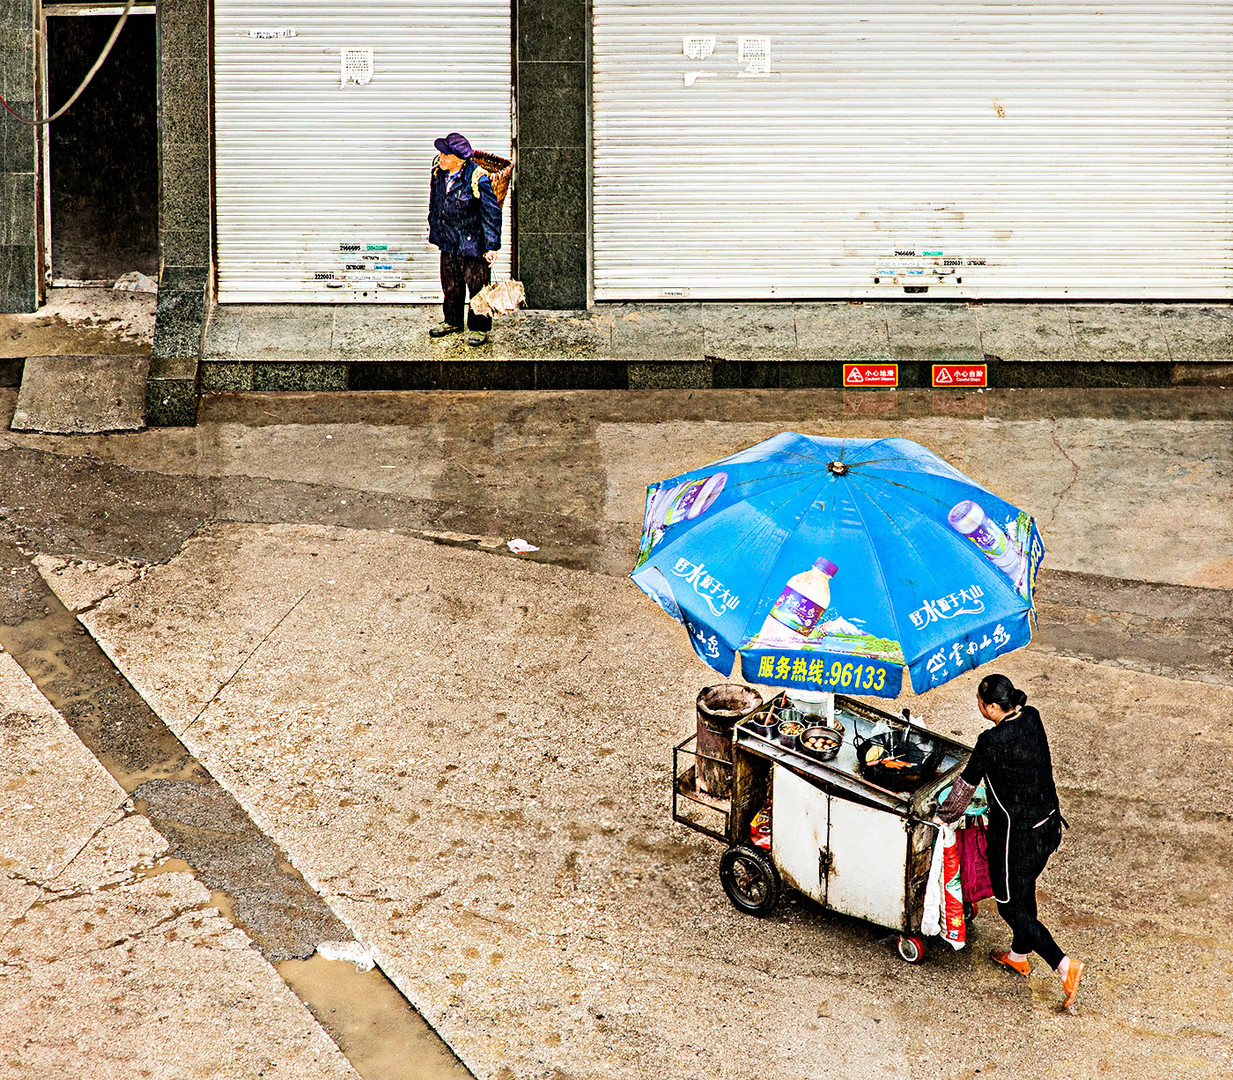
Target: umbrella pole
830	710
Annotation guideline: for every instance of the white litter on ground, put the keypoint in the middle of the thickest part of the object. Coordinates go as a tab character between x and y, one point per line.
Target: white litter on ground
135	281
351	951
519	546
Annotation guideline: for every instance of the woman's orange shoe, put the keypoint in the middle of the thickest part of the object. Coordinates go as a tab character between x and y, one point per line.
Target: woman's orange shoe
1002	956
1071	983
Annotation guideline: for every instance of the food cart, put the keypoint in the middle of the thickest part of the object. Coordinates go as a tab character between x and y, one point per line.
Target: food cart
855	846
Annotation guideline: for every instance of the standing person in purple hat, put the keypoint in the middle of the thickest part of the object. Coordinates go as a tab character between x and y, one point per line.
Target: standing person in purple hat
464	221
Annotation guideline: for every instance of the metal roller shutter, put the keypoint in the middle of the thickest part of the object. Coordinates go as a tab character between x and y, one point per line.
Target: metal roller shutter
1003	149
313	179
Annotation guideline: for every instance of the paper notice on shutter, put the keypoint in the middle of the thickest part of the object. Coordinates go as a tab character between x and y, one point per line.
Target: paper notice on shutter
356	66
754	54
698	48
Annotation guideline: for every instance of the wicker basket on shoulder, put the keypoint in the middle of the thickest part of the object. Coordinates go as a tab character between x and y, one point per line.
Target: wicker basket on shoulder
499	171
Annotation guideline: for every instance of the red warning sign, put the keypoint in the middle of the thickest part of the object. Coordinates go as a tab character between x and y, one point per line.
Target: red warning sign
881	375
960	375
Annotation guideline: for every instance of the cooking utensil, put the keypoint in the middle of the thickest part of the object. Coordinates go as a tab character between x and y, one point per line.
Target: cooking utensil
828	737
907	763
790	730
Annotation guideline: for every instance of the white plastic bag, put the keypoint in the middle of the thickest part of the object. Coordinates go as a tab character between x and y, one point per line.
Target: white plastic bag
351	951
931	918
499	298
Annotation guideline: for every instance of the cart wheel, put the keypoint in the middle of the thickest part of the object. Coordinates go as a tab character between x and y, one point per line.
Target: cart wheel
911	948
969	910
750	880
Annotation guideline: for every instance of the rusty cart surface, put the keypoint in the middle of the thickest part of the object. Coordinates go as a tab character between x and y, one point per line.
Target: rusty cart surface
852	846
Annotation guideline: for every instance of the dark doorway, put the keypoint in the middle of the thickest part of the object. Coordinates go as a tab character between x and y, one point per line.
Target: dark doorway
103	153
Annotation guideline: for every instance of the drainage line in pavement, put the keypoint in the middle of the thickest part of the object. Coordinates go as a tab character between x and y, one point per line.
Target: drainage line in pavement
380	1032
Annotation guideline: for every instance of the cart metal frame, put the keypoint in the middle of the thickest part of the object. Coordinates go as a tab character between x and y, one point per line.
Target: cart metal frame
873	843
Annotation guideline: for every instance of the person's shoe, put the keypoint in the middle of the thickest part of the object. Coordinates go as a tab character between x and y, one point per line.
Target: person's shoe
1071	983
1002	956
477	337
444	329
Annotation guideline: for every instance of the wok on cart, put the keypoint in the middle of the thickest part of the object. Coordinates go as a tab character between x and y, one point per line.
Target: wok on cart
804	801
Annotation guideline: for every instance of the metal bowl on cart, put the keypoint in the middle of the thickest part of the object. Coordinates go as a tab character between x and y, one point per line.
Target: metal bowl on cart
821	742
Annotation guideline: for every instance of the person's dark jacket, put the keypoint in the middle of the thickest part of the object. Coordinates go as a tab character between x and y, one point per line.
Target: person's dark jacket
466	219
1013	759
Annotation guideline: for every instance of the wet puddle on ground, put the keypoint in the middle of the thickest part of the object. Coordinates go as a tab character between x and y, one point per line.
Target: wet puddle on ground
369	1019
379	1031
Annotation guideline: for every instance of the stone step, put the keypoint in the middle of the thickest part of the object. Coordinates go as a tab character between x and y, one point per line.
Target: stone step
82	394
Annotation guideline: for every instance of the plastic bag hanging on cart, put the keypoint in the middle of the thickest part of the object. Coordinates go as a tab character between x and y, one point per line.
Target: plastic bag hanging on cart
943	915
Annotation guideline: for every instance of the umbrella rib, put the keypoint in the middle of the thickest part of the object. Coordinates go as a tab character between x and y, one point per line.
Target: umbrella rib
788	536
928	495
999	578
802	485
949	470
916	490
878	560
739	487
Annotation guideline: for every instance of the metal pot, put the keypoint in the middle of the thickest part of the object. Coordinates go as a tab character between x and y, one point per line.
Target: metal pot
831	739
907	765
763	719
789	729
818	720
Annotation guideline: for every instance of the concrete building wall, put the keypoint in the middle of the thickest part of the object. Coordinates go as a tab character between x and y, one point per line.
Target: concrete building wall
18	188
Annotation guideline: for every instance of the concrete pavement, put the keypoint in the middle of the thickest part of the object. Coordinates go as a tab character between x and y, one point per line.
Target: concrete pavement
689	345
116	961
372	347
469	758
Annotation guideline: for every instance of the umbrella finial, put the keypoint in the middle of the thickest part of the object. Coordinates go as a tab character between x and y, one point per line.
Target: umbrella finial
838	468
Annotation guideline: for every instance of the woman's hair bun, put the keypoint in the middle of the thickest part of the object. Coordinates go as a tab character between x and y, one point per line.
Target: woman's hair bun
999	690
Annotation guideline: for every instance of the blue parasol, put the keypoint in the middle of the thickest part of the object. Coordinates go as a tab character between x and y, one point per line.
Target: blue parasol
833	564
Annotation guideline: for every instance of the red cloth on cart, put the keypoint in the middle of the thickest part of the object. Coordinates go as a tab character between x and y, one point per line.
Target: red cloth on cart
974	863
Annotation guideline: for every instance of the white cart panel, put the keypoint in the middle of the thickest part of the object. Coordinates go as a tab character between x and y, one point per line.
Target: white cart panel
869	850
798	832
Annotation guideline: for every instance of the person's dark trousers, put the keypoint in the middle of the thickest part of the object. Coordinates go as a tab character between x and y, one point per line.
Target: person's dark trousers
1029	851
463	276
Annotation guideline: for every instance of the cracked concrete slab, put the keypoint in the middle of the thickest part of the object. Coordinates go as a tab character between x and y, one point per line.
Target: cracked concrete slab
1031	332
115	960
82	394
91	582
1201	332
470	758
737	332
658	334
41	758
850	332
1134	334
944	333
